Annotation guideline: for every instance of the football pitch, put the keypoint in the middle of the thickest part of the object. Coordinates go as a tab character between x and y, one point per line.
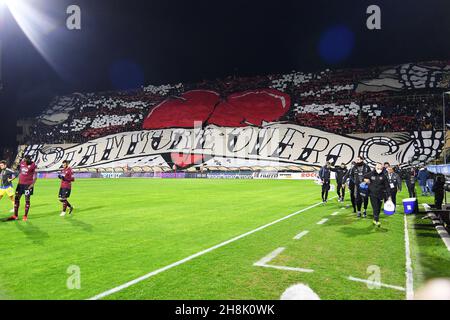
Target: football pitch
210	239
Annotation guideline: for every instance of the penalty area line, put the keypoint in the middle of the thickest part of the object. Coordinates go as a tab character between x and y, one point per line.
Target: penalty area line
198	254
264	262
376	284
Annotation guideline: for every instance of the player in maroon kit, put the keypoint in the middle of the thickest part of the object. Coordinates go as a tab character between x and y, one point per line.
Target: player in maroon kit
67	178
27	179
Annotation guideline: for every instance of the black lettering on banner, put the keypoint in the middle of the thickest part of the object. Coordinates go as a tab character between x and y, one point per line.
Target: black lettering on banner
239	139
107	150
90	152
69	157
178	138
205	140
262	140
232	141
157	139
199	139
311	148
33	151
112	143
278	143
50	152
286	142
146	137
338	151
133	143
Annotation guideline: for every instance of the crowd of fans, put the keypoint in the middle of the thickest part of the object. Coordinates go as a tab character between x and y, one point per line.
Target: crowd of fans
91	116
398	98
383	114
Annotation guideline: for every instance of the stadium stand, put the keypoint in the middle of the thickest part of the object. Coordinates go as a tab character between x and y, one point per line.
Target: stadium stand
397	98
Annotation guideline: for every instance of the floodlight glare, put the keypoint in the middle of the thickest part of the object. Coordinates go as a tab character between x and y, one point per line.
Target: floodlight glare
34	22
4	3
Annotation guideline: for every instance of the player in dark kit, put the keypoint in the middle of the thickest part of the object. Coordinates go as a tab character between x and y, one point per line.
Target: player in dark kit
27	180
67	178
324	175
357	175
341	173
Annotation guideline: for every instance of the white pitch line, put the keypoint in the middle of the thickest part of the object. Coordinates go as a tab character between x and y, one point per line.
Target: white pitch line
265	260
322	221
301	234
198	254
269	257
285	268
376	283
409	271
335	213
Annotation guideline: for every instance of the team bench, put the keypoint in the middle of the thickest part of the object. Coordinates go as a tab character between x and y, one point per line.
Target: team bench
442	215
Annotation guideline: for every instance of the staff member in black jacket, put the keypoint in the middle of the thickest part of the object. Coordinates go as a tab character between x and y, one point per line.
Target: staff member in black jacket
395	184
386	165
410	176
341	173
351	187
324	175
357	175
439	191
378	187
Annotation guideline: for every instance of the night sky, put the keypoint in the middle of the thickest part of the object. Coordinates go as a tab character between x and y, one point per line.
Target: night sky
167	41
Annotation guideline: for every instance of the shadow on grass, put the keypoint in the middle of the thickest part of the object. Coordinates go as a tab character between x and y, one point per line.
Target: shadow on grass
39	205
79	224
33	233
352	225
41	215
76	210
44	215
362	232
423	226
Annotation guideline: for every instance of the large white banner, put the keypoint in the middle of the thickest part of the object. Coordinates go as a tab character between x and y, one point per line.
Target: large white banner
275	144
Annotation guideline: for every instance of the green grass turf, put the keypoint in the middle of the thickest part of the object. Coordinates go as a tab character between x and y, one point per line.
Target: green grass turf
125	228
430	257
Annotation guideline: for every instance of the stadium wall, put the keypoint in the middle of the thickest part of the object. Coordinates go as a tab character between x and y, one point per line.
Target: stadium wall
191	175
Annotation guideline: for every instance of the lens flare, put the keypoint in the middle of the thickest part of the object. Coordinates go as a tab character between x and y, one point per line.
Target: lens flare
336	44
